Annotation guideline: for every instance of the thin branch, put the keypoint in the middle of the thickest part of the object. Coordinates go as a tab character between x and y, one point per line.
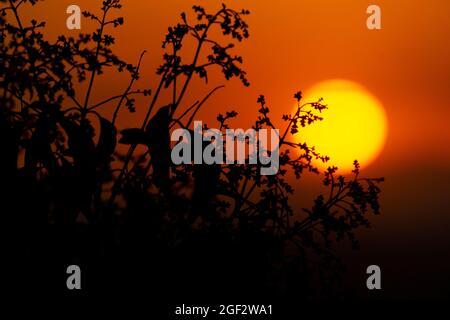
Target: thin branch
202	102
194	62
133	78
97	53
184	113
14	9
113	98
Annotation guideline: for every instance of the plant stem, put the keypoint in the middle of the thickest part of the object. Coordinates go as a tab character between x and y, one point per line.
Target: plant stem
116	111
97	52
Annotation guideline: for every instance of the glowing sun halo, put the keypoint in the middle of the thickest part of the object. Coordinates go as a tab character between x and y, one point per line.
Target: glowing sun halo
354	125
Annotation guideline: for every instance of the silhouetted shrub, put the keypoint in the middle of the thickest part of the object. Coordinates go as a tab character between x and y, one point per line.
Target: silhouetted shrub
137	218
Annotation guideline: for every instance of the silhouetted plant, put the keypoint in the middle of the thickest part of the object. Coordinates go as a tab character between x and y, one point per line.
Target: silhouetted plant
61	166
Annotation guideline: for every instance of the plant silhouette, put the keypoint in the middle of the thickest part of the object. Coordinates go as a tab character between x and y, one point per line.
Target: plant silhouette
134	220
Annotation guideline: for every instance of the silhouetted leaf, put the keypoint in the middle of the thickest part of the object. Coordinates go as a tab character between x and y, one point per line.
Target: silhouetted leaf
133	136
107	141
158	134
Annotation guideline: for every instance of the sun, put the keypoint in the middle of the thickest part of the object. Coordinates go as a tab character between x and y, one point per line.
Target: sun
354	125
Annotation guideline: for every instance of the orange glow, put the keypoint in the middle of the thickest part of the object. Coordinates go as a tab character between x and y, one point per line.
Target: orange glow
354	125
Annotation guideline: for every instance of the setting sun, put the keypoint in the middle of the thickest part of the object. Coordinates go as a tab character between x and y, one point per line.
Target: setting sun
354	125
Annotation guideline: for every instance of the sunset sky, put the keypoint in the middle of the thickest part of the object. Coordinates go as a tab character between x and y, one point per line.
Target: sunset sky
296	44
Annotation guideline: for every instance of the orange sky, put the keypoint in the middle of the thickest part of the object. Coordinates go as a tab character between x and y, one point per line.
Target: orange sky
293	45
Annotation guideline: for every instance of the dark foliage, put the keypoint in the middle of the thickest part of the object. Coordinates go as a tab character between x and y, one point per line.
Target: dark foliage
71	197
